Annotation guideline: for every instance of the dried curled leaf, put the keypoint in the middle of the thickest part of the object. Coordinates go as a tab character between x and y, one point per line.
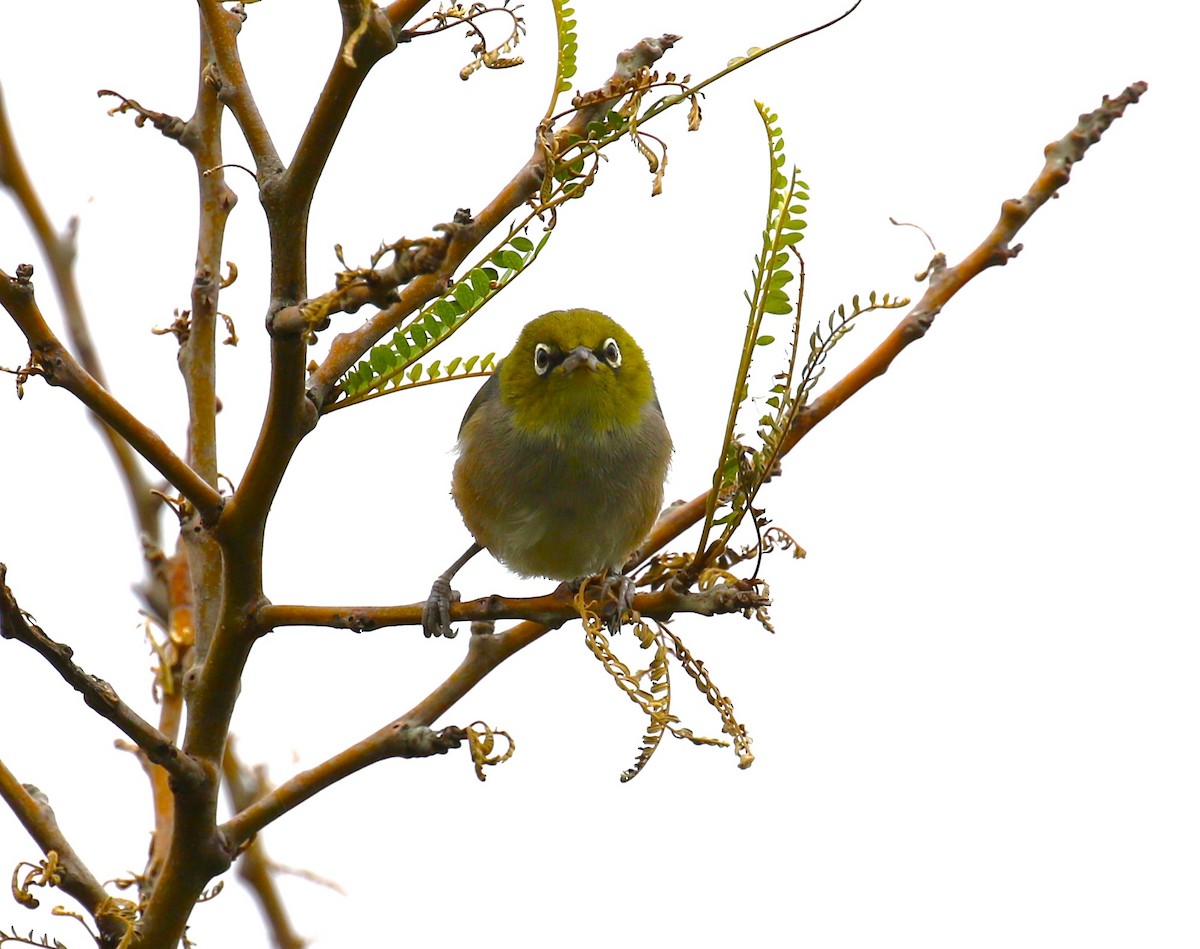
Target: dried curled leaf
43	873
654	701
481	739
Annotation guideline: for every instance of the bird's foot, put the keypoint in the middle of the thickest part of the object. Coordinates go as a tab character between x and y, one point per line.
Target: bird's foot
616	598
435	614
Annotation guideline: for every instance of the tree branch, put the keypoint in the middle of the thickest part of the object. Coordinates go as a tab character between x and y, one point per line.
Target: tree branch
487	652
362	46
222	27
51	360
72	875
348	347
59	251
98	694
994	251
246	787
396	740
551	610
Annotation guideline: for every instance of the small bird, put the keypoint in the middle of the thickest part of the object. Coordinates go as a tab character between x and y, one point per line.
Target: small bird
562	455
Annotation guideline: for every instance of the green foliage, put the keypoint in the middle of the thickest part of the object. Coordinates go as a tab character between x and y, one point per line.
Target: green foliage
741	469
396	364
568	47
828	334
745	465
572	162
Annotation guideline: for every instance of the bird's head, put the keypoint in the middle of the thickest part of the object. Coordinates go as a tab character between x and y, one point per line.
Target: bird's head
575	371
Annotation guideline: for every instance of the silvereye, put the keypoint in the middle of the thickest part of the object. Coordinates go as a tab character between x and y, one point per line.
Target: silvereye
562	456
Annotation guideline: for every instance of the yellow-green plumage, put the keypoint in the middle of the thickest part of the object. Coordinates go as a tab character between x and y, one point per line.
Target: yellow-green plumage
560	470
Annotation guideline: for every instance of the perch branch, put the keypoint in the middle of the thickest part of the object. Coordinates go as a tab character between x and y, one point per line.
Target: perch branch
552	610
487	652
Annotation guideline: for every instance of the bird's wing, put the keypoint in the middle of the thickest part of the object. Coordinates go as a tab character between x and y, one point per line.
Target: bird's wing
488	391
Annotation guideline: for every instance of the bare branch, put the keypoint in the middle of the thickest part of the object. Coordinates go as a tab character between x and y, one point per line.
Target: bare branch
98	694
552	610
995	250
246	787
70	873
222	27
395	740
367	28
51	360
59	251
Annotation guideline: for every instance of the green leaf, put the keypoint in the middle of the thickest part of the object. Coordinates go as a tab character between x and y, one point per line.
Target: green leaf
381	359
777	303
508	259
764	341
480	283
523	244
434	328
415	372
465	296
419	336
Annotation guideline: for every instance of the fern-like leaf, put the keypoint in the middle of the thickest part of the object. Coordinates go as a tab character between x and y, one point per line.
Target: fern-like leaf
396	364
568	49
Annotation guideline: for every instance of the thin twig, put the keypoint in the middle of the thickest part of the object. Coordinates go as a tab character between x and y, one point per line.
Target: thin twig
59	251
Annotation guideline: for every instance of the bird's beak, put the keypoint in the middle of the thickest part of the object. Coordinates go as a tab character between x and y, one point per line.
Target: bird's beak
580	356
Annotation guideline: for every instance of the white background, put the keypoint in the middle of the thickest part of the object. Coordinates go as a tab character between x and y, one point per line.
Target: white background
977	723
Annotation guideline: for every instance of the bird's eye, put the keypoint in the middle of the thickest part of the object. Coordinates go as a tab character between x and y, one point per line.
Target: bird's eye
541	358
611	352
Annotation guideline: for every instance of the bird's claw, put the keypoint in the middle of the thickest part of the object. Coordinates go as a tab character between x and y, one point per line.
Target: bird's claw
623	591
435	614
616	599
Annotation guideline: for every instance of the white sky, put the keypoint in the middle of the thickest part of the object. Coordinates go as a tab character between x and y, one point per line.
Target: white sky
977	722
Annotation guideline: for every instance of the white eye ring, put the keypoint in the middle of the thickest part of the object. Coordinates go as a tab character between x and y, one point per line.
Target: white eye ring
541	359
611	352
